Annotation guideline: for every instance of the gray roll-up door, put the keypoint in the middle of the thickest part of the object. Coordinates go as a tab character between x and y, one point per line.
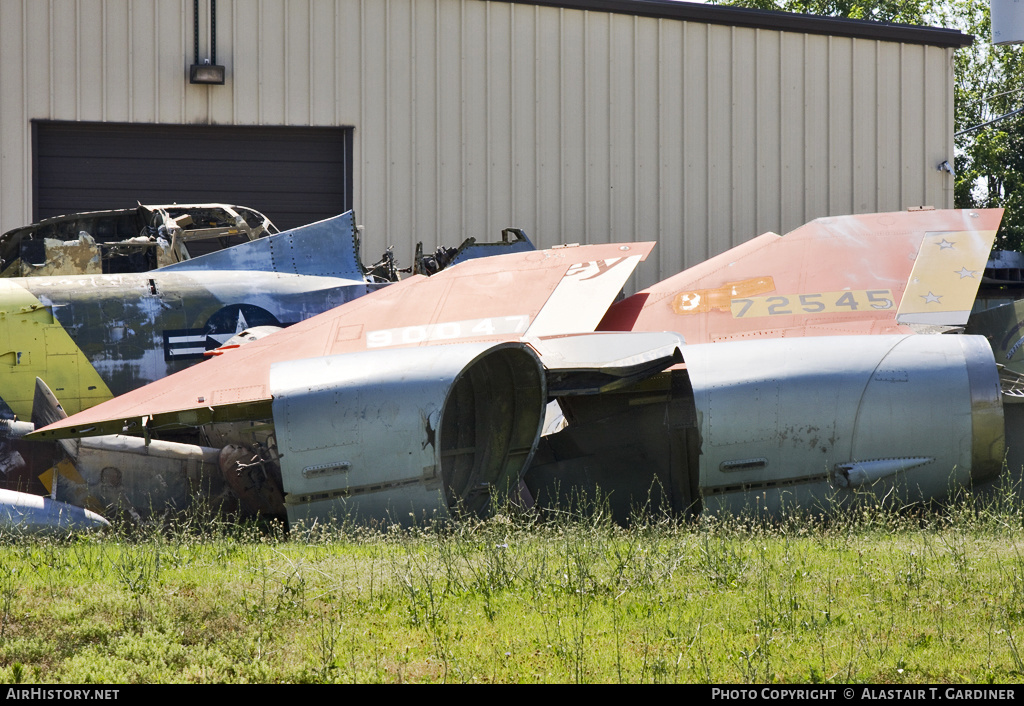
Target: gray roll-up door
294	175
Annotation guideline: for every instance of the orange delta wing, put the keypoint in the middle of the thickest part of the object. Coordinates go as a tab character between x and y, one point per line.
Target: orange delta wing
865	274
496	298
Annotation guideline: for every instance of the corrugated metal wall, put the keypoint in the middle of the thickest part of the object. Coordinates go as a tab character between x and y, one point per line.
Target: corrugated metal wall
472	115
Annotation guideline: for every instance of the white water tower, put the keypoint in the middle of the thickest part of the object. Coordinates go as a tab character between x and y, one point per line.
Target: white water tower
1007	21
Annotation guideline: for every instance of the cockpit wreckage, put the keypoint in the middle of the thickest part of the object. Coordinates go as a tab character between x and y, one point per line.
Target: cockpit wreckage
127	239
802	370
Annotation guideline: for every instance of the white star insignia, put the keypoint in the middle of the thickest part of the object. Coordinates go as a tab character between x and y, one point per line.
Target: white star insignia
944	244
964	272
930	298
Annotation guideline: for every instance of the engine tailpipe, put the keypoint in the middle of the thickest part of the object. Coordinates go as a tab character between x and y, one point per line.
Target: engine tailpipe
409	433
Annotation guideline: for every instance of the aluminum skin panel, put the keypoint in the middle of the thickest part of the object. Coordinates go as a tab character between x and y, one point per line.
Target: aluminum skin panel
360	435
327	248
129	474
779	417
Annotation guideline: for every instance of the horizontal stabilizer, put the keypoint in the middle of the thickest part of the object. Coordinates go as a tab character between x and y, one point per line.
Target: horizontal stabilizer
590	364
327	248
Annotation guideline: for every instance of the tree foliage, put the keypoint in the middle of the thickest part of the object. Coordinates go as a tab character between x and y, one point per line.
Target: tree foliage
989	84
898	11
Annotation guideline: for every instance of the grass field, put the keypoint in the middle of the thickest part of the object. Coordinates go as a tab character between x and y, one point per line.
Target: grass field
874	596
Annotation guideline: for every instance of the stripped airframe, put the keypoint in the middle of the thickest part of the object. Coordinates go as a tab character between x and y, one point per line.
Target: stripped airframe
803	379
95	336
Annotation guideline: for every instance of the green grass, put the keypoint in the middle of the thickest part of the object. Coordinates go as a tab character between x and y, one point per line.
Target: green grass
872	596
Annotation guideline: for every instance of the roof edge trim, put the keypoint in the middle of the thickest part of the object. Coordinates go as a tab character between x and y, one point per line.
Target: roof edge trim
766	19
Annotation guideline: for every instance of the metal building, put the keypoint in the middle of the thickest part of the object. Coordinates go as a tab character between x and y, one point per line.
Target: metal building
577	120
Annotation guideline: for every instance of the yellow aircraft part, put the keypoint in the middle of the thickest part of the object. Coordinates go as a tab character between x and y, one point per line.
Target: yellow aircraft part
704	300
33	344
945	277
64	468
67	469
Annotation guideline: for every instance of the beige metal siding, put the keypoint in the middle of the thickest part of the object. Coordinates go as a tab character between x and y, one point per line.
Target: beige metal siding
472	115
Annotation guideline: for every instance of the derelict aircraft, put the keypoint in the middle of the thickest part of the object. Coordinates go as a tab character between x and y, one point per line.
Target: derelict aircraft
789	370
94	336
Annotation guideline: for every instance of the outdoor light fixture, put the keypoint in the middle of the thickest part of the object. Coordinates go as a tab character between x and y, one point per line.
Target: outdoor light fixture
209	72
206	73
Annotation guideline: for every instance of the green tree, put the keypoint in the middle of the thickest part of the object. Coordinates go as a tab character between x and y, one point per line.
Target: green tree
989	84
881	10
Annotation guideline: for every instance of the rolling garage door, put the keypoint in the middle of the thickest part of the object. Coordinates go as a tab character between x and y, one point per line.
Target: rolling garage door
294	175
